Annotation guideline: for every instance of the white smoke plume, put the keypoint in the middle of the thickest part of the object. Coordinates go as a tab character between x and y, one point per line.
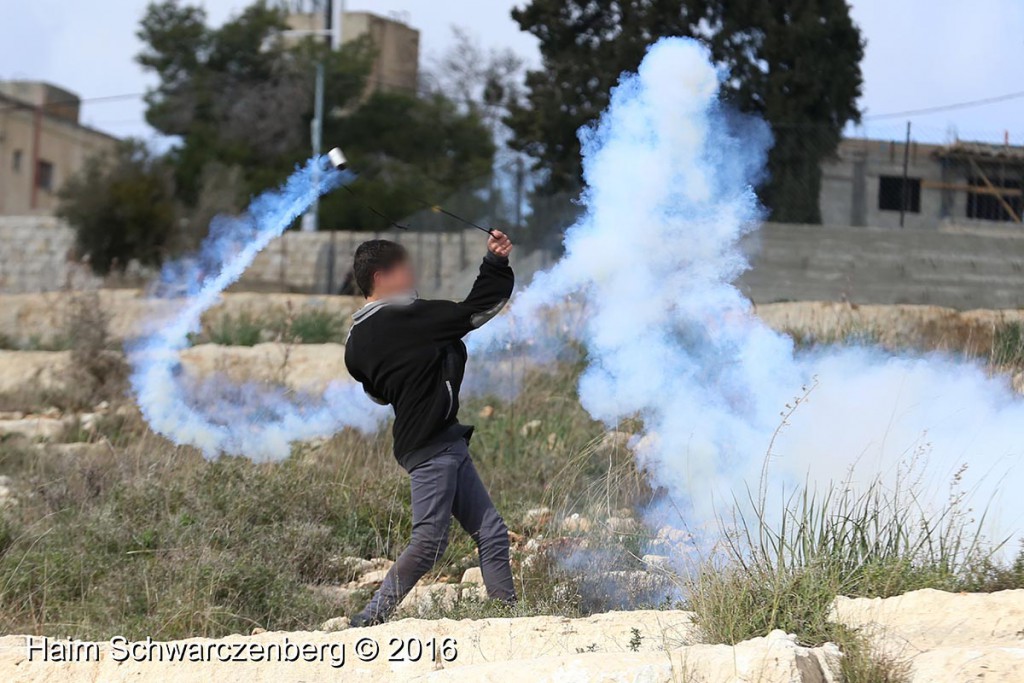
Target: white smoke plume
215	415
668	337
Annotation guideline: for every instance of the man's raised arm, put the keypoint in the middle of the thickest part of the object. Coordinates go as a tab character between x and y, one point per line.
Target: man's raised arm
490	292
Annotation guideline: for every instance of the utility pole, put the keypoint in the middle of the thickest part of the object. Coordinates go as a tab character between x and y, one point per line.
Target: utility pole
904	190
337	11
333	13
310	220
520	182
332	30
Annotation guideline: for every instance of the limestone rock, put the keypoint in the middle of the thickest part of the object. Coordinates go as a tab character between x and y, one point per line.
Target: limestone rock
473	575
927	619
957	664
341	597
32	370
669	537
621	525
36	427
774	659
26	317
335	624
537	517
80	449
576	524
306	367
530	428
88	421
946	637
424	598
613	441
7	498
350	568
371	579
640	646
657	562
302	367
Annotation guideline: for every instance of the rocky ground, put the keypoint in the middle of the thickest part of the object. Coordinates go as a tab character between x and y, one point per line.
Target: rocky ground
942	637
37	319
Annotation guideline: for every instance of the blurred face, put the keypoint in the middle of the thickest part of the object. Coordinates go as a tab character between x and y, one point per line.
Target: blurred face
398	279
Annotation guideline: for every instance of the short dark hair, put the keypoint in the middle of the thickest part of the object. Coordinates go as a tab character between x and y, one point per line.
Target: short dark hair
374	256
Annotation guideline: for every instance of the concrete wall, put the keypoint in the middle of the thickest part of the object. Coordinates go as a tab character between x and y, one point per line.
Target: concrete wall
946	266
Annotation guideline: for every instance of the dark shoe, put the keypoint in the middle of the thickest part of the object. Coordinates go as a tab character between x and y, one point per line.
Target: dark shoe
362	620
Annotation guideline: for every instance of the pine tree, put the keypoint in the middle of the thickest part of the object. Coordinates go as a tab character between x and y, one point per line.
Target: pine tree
796	63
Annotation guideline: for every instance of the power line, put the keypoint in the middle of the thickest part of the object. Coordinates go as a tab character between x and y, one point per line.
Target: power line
946	107
15	103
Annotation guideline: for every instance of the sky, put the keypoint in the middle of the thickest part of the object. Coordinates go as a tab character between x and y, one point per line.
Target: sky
920	54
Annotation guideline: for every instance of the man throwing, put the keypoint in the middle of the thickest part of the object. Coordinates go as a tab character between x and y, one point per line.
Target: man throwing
408	352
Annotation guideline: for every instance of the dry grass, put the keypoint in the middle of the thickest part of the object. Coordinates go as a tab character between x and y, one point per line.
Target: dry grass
141	537
145	538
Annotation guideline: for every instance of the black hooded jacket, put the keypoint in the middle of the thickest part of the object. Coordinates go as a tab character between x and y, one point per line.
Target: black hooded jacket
408	353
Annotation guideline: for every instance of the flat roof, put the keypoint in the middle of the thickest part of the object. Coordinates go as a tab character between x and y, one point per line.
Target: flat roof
13	103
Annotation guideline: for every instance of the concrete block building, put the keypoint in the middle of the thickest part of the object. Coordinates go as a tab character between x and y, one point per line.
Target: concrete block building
42	144
397	46
884	184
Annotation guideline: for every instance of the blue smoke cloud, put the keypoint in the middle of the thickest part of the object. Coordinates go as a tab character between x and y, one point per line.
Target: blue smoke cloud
649	271
647	283
213	414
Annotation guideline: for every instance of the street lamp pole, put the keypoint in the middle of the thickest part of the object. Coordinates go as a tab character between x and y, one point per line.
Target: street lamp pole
311	219
335	11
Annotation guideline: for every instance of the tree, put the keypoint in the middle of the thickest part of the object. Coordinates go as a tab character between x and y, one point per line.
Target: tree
411	152
239	95
122	207
484	82
795	64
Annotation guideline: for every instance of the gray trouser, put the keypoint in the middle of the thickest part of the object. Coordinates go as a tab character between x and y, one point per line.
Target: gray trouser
447	485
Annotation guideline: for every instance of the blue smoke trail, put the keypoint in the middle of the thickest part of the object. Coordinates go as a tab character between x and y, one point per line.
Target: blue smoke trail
213	414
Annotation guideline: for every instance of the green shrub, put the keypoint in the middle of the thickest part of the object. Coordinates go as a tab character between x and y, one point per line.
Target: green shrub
236	330
314	326
782	570
1008	344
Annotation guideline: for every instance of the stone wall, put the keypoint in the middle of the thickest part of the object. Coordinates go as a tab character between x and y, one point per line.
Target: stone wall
956	268
300	261
34	256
